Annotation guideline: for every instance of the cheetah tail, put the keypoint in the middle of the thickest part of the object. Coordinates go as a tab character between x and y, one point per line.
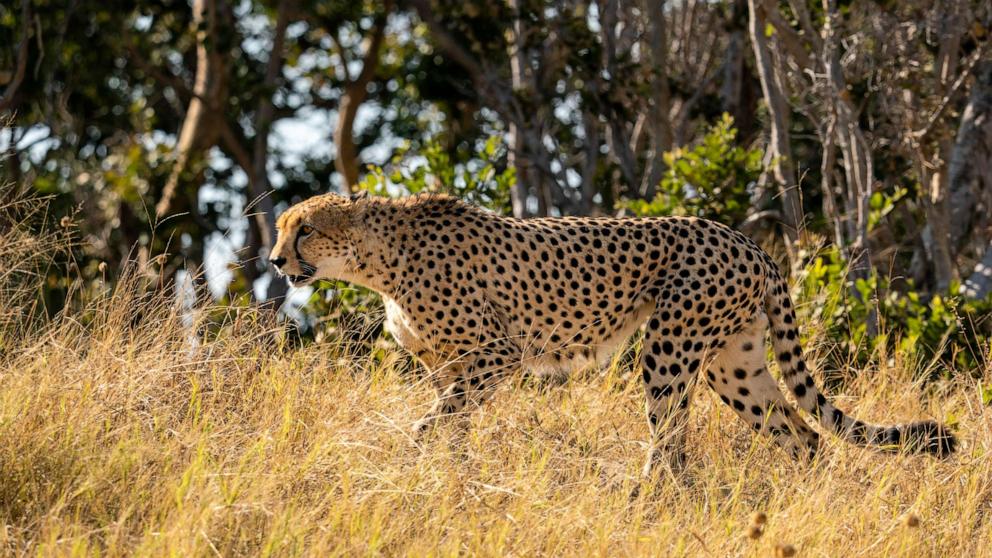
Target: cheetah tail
917	437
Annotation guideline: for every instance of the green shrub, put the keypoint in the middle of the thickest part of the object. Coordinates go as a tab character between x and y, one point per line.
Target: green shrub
708	180
945	328
480	178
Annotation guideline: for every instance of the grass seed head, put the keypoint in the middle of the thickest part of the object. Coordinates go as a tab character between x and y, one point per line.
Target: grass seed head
754	532
912	520
784	551
759	518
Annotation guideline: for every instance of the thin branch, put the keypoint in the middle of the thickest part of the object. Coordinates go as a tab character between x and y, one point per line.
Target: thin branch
236	145
205	103
951	93
341	53
259	185
802	14
448	43
787	36
371	61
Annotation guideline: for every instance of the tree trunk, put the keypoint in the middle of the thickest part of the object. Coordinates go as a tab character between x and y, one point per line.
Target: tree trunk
249	261
938	241
264	214
659	119
515	157
979	283
971	157
207	101
970	171
9	99
737	95
778	110
827	183
590	123
933	153
617	138
355	92
858	165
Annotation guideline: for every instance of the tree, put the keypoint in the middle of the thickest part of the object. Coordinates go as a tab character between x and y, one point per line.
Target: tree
354	94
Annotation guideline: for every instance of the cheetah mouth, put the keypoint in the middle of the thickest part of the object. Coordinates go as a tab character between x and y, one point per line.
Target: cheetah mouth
305	277
300	280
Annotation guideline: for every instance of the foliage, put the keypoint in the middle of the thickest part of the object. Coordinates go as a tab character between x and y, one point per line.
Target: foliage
882	203
945	328
711	179
482	178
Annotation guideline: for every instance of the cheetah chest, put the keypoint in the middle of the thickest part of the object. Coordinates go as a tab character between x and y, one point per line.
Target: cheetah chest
400	326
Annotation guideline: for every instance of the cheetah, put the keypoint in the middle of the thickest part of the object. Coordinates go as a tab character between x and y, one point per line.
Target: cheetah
474	296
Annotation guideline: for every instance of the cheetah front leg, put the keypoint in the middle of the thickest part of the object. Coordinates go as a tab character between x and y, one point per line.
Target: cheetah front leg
441	372
670	361
479	373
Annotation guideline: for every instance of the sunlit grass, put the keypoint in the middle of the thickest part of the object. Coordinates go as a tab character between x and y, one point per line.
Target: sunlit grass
118	440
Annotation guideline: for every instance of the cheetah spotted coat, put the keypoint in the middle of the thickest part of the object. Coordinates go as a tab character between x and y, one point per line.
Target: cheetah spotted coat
475	296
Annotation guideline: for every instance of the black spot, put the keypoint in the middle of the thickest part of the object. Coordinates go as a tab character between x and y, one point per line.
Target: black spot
650	362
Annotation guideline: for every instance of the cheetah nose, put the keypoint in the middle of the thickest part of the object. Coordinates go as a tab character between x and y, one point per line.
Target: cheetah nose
278	262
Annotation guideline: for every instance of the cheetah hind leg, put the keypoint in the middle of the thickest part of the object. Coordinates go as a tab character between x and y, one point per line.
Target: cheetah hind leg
741	379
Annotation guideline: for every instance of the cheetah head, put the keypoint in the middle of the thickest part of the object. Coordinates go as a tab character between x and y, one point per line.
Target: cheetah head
315	240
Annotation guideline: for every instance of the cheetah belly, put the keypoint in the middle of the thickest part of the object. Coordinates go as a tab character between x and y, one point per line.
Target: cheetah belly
597	353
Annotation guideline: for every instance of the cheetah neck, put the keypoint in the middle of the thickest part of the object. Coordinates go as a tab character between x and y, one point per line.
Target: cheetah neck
376	251
387	236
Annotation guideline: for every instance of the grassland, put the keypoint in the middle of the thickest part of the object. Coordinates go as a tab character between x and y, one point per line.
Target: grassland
122	434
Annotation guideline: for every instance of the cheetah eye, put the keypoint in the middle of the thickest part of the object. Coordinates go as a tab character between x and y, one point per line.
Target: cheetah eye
306	230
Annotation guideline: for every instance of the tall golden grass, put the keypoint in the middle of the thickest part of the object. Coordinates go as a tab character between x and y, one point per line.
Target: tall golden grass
123	433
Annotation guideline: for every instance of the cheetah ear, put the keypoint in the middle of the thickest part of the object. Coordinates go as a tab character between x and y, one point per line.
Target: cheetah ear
360	195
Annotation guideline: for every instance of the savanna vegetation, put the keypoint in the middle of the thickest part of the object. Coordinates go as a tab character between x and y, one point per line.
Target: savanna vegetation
162	394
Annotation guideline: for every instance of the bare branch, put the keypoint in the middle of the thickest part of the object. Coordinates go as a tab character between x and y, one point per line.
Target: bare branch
333	34
952	92
448	43
236	146
801	11
788	37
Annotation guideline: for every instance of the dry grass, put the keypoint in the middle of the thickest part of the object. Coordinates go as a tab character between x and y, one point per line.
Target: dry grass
118	435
